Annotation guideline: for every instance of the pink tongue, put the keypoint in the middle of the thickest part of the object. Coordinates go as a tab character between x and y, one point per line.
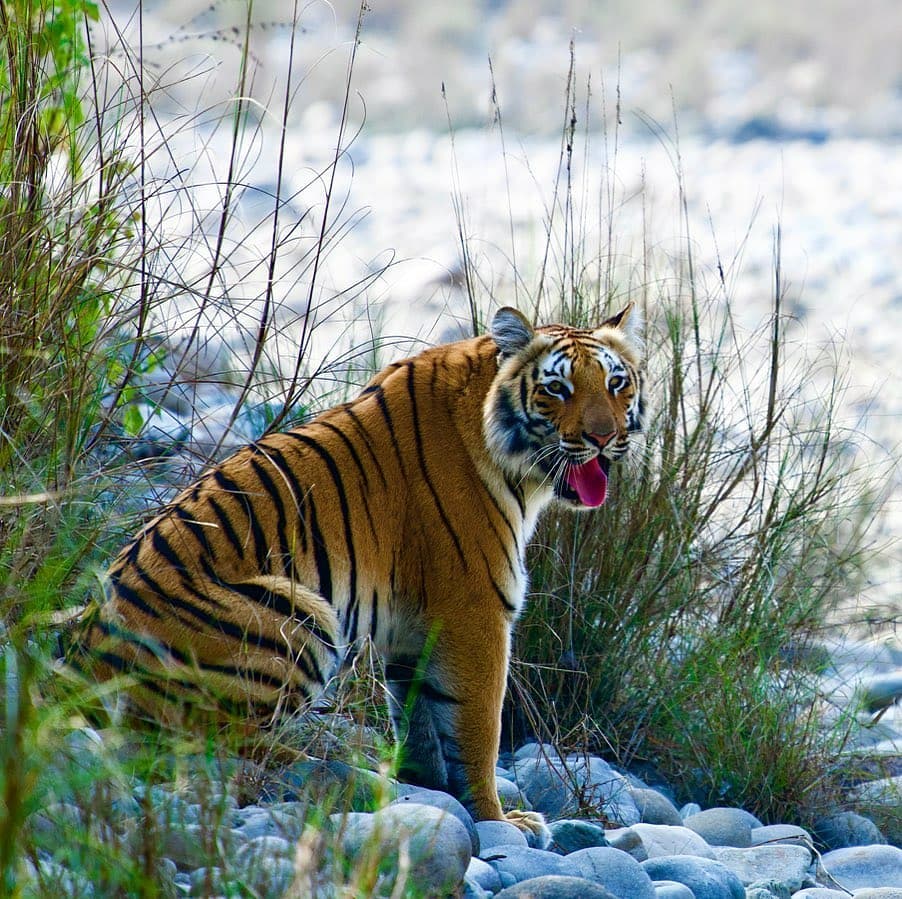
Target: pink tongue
589	481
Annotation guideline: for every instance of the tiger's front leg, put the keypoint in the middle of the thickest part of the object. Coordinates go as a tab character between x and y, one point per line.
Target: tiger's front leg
446	708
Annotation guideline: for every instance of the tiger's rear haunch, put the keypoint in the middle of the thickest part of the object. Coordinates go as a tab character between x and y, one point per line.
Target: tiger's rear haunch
402	515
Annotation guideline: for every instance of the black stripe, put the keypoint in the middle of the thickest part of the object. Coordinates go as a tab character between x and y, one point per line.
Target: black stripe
162	546
374	614
405	673
364	497
421	458
355	420
281	519
224	482
320	555
261	544
198	529
298	490
511	607
344	508
352	623
133	598
225	525
350	447
282	605
386	415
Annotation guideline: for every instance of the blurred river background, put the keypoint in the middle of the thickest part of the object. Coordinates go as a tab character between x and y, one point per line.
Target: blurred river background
700	124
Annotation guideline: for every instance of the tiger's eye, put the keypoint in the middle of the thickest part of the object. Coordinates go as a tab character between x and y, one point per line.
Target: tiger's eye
556	387
615	382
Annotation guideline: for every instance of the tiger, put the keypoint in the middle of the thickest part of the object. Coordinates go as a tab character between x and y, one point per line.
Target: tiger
401	517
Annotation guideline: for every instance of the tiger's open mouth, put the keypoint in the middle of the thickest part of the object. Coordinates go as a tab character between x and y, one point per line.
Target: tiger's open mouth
585	484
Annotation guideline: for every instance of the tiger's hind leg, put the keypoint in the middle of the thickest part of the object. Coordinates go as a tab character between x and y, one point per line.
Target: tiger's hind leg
245	650
410	700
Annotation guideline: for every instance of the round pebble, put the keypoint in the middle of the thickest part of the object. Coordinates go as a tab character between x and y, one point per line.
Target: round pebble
864	866
445	803
708	879
614	870
722	826
845	829
655	808
663	839
670	889
525	863
437	843
552	886
570	835
492	834
786	866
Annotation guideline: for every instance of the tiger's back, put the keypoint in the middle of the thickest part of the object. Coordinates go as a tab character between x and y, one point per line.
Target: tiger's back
403	516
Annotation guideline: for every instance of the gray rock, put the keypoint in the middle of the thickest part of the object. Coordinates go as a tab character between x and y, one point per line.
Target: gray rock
864	866
209	882
819	893
885	792
483	875
845	829
472	890
289	819
655	808
880	691
254	821
555	887
336	782
188	846
670	889
263	847
535	751
707	878
616	871
788	834
627	840
786	866
124	808
570	835
446	803
525	863
66	883
436	842
54	825
558	788
498	833
879	893
769	891
271	877
662	839
722	826
547	785
690	808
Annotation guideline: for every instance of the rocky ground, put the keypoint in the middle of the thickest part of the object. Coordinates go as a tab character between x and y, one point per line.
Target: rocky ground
611	834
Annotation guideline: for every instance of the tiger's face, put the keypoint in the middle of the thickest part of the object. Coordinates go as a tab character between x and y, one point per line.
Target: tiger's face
564	404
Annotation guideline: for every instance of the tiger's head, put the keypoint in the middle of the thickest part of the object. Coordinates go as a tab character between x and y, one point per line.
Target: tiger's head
564	403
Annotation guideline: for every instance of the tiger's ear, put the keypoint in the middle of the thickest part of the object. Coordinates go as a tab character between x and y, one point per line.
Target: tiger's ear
628	320
511	331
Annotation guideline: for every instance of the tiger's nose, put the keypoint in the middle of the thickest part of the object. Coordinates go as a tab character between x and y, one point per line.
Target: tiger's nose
602	440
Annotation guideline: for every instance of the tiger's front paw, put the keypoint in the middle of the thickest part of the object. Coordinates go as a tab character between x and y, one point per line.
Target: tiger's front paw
533	825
